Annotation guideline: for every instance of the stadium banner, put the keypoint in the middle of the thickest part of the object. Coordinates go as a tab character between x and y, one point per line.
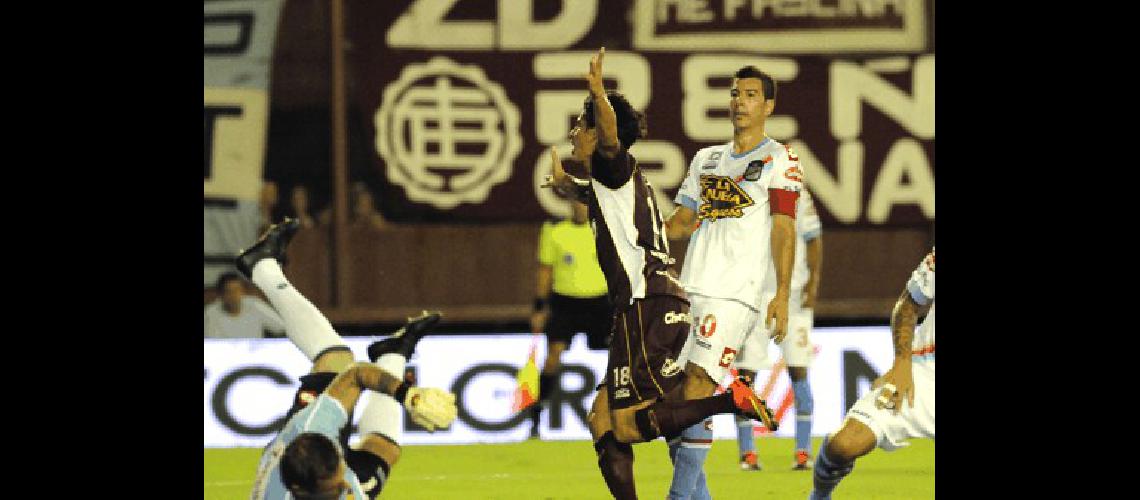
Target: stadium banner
458	126
238	38
250	384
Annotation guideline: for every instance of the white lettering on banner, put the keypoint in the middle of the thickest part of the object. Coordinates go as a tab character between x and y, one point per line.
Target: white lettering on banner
851	25
700	98
906	159
851	86
688	11
519	31
422	26
236	124
473	367
842	195
450	107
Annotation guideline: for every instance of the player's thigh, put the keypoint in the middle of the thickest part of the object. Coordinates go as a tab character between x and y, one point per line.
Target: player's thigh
624	422
853	440
598	418
755	354
892	428
698	383
719	329
797	347
333	360
643	362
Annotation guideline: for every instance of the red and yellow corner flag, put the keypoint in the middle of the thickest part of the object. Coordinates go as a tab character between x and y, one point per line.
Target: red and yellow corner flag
526	393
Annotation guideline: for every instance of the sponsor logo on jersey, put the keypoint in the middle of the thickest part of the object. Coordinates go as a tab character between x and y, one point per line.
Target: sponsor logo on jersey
670	368
672	317
703	344
727	357
754	169
621	393
722	197
708	326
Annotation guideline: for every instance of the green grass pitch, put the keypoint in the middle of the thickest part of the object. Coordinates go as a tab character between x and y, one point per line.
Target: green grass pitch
568	470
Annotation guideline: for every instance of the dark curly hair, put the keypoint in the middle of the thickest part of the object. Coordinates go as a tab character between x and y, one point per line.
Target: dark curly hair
631	123
753	72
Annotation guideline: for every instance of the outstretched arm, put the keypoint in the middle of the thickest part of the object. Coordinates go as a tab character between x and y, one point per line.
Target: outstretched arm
428	407
604	117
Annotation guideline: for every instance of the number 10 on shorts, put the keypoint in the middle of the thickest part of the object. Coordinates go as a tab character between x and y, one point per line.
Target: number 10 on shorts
621	376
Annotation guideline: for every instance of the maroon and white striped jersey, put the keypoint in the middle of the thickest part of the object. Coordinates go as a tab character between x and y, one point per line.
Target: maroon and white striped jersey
629	232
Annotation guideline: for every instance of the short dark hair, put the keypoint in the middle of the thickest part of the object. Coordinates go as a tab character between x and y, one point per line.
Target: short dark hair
631	123
751	71
226	278
307	460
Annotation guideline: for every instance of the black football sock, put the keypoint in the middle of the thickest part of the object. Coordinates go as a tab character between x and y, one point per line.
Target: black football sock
616	462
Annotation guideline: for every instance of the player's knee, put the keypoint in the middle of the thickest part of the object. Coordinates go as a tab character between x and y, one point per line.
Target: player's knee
625	429
335	360
852	441
698	384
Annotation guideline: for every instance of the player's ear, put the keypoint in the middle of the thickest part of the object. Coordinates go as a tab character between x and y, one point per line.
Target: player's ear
769	106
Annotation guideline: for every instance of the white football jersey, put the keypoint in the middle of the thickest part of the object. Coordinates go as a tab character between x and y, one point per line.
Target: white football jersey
921	288
729	254
808	226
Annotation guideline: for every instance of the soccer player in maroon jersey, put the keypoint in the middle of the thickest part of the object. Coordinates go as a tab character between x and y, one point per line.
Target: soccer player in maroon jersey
642	396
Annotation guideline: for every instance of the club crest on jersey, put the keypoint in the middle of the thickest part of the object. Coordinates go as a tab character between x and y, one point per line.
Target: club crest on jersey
755	168
708	326
722	198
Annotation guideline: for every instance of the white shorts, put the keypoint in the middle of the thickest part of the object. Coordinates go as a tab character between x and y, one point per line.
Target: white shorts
719	329
891	430
797	347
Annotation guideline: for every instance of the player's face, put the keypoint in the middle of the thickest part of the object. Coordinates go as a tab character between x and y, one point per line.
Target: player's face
747	107
584	140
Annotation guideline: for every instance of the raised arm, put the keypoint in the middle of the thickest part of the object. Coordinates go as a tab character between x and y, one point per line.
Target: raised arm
604	116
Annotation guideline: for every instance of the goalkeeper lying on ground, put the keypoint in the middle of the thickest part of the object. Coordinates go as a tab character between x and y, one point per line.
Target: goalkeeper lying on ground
310	457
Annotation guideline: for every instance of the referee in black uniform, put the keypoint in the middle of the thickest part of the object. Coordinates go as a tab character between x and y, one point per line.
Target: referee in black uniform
570	298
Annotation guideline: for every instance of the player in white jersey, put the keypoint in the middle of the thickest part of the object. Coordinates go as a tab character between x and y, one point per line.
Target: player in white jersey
310	457
738	204
796	348
901	403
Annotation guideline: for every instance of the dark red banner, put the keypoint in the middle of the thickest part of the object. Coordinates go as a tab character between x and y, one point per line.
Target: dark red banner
463	99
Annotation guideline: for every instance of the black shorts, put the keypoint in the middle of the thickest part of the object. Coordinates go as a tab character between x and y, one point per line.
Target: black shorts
570	315
312	385
648	337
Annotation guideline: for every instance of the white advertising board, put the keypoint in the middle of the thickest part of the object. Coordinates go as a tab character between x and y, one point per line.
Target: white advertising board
250	384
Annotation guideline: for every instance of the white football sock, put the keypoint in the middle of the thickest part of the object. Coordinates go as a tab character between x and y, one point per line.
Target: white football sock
382	414
309	330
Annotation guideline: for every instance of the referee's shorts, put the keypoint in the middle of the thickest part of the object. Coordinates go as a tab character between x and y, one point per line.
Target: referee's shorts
570	315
